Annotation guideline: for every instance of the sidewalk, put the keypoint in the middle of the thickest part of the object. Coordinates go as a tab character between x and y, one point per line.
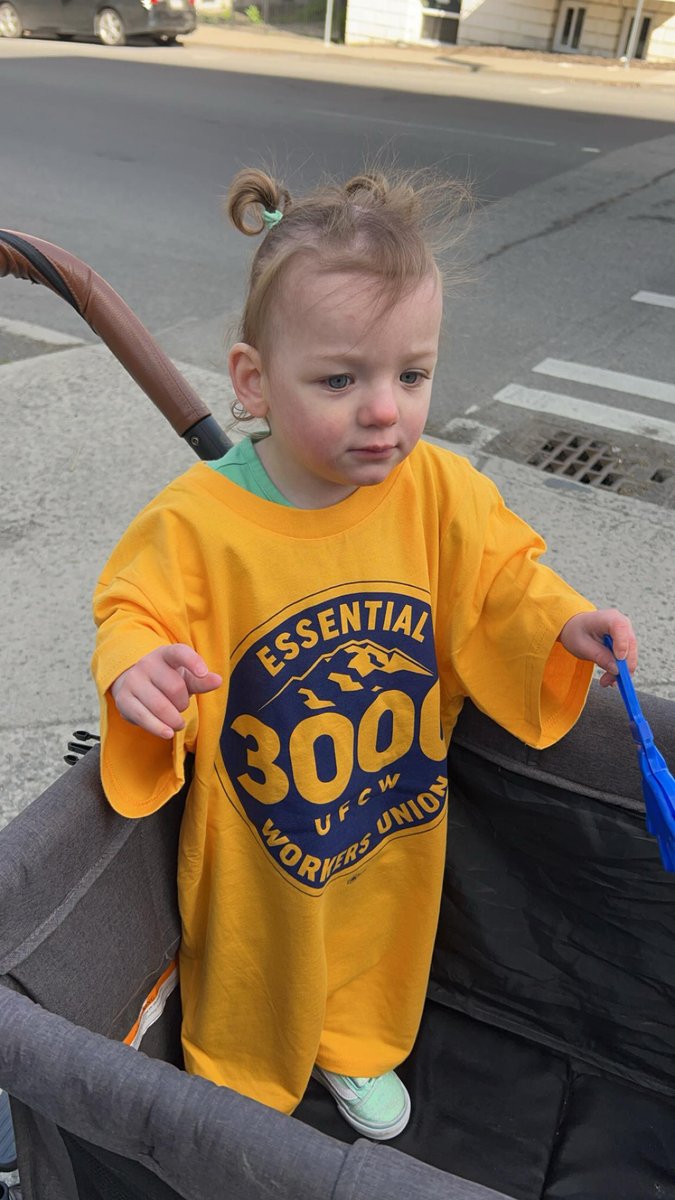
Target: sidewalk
446	59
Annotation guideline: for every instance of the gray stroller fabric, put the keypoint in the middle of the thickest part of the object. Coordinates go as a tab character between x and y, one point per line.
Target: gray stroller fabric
201	1140
545	1068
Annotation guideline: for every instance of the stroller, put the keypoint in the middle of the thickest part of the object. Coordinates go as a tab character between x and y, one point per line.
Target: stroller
545	1064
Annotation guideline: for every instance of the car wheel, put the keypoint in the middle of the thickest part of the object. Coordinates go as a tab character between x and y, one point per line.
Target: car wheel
10	22
109	27
165	39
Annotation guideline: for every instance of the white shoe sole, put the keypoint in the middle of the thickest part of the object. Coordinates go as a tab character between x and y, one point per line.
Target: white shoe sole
382	1134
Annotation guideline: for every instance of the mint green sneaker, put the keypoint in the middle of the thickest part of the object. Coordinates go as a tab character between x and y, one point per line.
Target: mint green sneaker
378	1107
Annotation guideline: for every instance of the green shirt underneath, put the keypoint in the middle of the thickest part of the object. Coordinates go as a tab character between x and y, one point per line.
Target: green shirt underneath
242	466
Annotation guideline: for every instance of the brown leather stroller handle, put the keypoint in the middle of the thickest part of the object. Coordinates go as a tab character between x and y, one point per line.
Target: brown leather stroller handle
28	257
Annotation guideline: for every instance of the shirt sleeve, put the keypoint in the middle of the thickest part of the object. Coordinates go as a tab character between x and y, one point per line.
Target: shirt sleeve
509	611
139	604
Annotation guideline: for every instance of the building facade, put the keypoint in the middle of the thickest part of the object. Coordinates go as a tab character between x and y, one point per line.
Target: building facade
594	27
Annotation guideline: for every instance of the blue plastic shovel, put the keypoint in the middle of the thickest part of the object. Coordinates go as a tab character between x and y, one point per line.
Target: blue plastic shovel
658	785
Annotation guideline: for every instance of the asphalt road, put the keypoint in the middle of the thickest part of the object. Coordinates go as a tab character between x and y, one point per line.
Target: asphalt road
125	161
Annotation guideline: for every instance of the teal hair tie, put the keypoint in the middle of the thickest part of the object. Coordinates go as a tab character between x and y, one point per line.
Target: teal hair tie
270	219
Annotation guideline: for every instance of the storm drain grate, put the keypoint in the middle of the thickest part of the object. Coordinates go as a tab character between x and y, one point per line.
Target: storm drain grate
584	460
639	470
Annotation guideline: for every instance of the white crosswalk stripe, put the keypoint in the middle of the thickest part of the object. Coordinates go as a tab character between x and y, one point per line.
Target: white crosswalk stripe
571	407
658	298
616	381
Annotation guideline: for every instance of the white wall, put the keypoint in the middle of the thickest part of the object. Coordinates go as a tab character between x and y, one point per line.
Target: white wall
604	25
527	24
523	23
531	24
602	29
662	42
383	21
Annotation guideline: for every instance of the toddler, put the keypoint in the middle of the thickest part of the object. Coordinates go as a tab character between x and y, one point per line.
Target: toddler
306	616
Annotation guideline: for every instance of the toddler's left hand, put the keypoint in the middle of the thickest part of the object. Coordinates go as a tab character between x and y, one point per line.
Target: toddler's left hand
582	635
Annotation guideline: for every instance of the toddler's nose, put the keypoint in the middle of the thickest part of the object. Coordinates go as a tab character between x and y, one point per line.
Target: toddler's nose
380	408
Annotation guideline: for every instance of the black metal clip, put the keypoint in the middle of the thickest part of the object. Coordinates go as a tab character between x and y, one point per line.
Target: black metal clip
86	741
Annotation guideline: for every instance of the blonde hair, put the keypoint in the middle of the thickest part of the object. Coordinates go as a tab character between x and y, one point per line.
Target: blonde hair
390	226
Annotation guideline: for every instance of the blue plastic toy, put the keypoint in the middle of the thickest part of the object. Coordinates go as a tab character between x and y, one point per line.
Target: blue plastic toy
658	785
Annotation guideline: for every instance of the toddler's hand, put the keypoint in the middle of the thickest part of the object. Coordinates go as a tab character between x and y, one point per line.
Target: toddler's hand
582	635
157	689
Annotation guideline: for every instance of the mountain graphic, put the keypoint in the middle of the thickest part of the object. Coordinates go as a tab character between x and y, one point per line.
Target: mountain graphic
313	701
344	669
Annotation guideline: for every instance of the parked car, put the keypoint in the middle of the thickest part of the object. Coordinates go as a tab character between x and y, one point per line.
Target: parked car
111	22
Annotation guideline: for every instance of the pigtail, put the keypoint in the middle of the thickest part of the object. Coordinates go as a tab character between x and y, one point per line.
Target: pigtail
371	186
417	199
251	193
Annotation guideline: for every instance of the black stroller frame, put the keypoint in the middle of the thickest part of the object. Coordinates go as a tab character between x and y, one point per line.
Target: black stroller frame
545	1065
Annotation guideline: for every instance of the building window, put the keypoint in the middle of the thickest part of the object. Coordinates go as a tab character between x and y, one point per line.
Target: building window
440	20
569	28
643	36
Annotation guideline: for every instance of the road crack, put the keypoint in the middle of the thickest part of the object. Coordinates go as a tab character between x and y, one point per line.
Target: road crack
566	222
653	217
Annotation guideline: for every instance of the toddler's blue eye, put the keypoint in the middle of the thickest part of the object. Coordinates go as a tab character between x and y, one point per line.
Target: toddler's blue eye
338	382
410	377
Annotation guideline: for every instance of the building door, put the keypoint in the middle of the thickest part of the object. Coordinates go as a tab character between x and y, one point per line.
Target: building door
569	28
643	36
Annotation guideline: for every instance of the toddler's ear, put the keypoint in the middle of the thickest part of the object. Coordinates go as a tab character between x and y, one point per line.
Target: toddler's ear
246	375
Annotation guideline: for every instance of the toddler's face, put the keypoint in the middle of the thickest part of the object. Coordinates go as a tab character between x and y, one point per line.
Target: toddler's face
346	391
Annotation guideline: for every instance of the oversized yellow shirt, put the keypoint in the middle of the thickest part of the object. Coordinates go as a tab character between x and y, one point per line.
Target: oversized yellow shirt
313	842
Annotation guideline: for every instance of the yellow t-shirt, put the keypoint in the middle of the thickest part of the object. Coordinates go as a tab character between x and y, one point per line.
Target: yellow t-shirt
313	843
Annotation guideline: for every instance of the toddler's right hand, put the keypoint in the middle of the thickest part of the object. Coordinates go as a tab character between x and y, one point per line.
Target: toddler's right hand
157	689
